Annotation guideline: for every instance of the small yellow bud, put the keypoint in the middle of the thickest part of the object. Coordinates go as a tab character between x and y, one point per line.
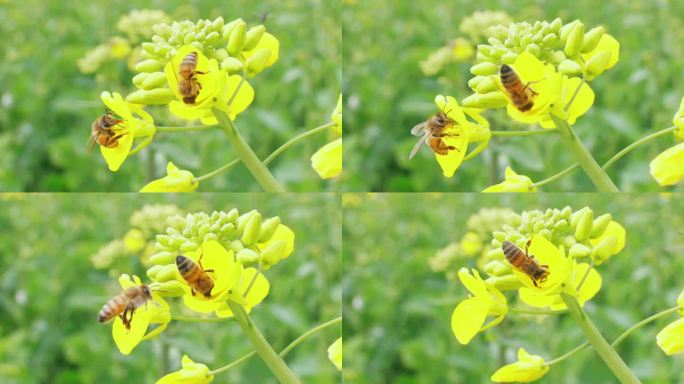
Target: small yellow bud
251	233
154	270
232	65
154	80
253	37
171	288
237	38
505	283
600	225
592	38
579	251
598	63
162	258
149	65
247	256
484	69
157	96
487	100
584	226
258	61
166	273
268	228
569	67
573	44
273	252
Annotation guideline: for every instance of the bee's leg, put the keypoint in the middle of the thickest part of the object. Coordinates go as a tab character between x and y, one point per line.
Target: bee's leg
209	270
544	266
534	282
527	246
192	290
130	317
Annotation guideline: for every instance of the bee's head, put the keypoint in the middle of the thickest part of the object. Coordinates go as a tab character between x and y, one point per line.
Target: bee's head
146	291
506	69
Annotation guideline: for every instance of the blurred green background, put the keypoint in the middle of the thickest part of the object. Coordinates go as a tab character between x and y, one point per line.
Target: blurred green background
397	311
387	94
47	105
51	291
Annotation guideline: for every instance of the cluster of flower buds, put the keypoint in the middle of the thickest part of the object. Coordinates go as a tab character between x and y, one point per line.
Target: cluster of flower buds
477	26
580	233
106	255
252	239
138	24
236	48
151	218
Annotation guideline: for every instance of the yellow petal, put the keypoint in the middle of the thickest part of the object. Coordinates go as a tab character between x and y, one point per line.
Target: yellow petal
512	183
190	373
671	338
615	234
608	44
257	292
267	41
527	368
667	167
473	283
176	180
327	161
467	319
335	353
117	155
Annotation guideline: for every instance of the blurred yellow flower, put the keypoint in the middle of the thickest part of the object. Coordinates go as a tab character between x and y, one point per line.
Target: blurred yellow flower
671	338
527	368
134	240
176	180
335	353
136	124
327	161
190	373
668	167
580	105
154	312
461	49
471	244
467	131
469	316
225	273
513	183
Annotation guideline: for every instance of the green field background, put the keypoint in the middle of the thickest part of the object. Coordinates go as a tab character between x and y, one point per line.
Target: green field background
384	42
397	311
48	105
50	292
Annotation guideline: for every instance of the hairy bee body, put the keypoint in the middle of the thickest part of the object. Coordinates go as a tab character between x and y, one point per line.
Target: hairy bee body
525	263
521	95
124	304
102	132
433	131
197	277
188	86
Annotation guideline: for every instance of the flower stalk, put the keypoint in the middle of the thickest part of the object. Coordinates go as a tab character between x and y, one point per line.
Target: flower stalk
604	350
597	175
255	166
274	362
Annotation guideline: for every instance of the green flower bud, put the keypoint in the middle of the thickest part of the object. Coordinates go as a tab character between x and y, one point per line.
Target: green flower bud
592	38
487	100
140	78
244	218
247	256
547	234
258	61
533	49
217	24
568	241
236	246
509	58
558	57
485	86
573	44
227	29
149	66
604	249
579	251
569	67
228	229
495	254
484	69
598	63
565	30
253	37
560	225
584	226
163	30
153	80
157	96
189	246
600	225
154	270
237	39
501	236
268	228
273	253
575	216
505	283
232	215
171	288
251	233
163	257
475	81
566	212
166	273
221	54
555	25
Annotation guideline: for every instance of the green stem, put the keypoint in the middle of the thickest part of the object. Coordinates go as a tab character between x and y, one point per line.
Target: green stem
535	311
637	143
295	140
285	351
255	166
597	175
604	350
270	157
556	176
274	362
310	332
524	133
642	323
567	355
187	129
189	319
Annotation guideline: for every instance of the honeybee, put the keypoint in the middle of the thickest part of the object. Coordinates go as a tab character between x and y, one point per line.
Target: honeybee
433	132
102	132
124	304
195	275
521	94
525	263
188	86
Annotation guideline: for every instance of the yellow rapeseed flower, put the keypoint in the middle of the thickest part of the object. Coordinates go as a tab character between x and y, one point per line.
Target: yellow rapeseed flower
668	167
176	180
190	373
513	183
468	318
327	161
335	353
258	290
527	368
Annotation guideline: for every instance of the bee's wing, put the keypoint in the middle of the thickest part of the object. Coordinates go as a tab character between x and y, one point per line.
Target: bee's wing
418	144
417	130
91	142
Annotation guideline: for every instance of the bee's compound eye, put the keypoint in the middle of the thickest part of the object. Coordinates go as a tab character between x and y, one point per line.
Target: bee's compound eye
440	120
